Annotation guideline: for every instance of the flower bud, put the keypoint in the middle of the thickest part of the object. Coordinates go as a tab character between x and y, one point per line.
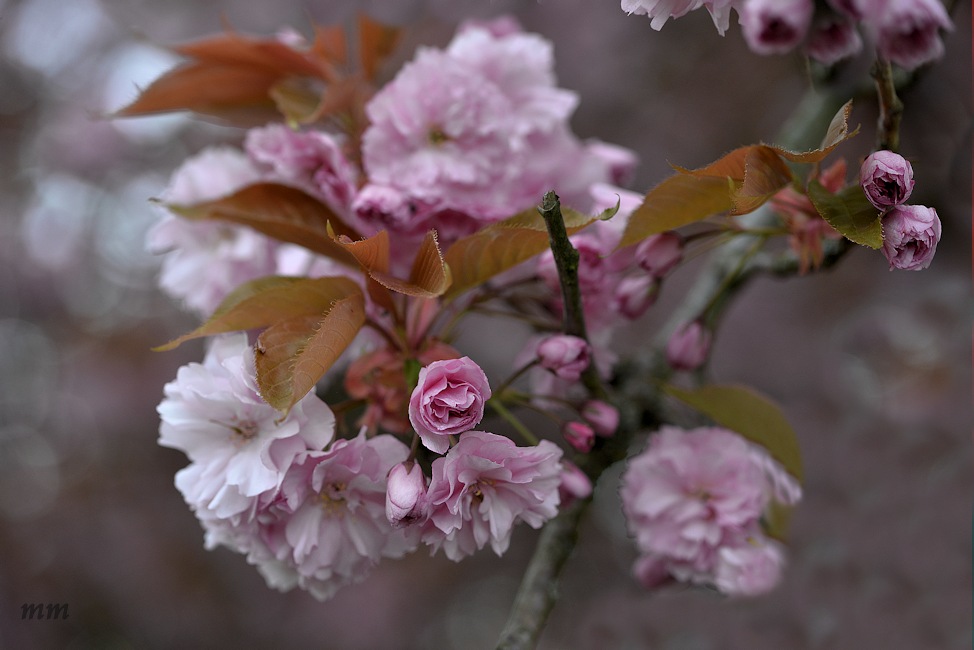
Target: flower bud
634	295
574	484
688	347
886	178
910	236
603	417
775	26
657	255
579	435
566	356
405	495
907	31
832	39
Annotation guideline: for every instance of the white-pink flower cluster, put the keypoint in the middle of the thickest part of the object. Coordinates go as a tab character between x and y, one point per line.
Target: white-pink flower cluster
305	510
694	502
905	32
473	134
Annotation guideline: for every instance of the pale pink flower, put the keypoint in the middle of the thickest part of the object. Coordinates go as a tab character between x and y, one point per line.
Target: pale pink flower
240	446
406	495
659	11
910	236
775	26
486	484
566	356
688	490
886	178
689	346
448	400
908	31
206	260
833	39
327	527
310	160
752	568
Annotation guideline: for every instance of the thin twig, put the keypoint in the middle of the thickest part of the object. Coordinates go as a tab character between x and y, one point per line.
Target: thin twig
890	106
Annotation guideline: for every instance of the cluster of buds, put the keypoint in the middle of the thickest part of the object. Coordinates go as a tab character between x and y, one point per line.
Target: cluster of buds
910	232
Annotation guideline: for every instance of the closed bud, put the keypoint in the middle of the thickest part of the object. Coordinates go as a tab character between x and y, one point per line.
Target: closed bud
886	178
579	435
634	295
566	356
603	417
657	255
688	347
574	484
406	495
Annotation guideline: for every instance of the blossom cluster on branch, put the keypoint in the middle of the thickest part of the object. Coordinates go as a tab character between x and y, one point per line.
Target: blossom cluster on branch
351	235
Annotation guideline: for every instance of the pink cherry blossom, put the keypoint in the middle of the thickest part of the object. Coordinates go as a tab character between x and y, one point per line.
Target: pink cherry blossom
775	26
910	236
574	484
635	294
603	417
448	400
832	39
206	260
659	11
908	31
483	486
751	569
240	446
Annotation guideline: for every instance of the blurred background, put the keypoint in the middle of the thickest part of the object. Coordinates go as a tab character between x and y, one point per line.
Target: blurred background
873	368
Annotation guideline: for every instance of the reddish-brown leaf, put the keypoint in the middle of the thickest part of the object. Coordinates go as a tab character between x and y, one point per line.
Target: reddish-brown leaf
294	354
280	211
376	43
265	301
765	173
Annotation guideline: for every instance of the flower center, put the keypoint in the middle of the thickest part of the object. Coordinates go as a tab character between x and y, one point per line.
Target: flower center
437	136
332	499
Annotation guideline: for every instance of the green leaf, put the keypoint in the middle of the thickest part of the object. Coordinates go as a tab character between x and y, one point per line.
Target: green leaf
849	212
292	355
750	414
279	211
837	133
478	257
265	301
679	200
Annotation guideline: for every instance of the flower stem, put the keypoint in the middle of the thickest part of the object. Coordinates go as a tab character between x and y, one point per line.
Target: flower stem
890	106
513	421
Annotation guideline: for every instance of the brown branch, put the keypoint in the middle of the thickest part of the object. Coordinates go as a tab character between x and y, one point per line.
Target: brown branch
890	106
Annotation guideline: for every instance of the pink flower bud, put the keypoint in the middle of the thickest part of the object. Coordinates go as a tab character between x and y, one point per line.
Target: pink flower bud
579	435
657	255
775	26
634	295
574	484
603	417
448	400
406	495
688	347
908	30
832	39
910	236
886	178
566	356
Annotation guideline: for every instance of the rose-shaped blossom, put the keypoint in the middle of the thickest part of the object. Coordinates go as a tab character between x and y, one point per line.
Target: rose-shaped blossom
833	39
448	400
693	500
603	417
908	31
239	444
579	435
910	236
483	486
327	527
688	346
775	26
749	569
886	178
406	495
565	355
657	255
